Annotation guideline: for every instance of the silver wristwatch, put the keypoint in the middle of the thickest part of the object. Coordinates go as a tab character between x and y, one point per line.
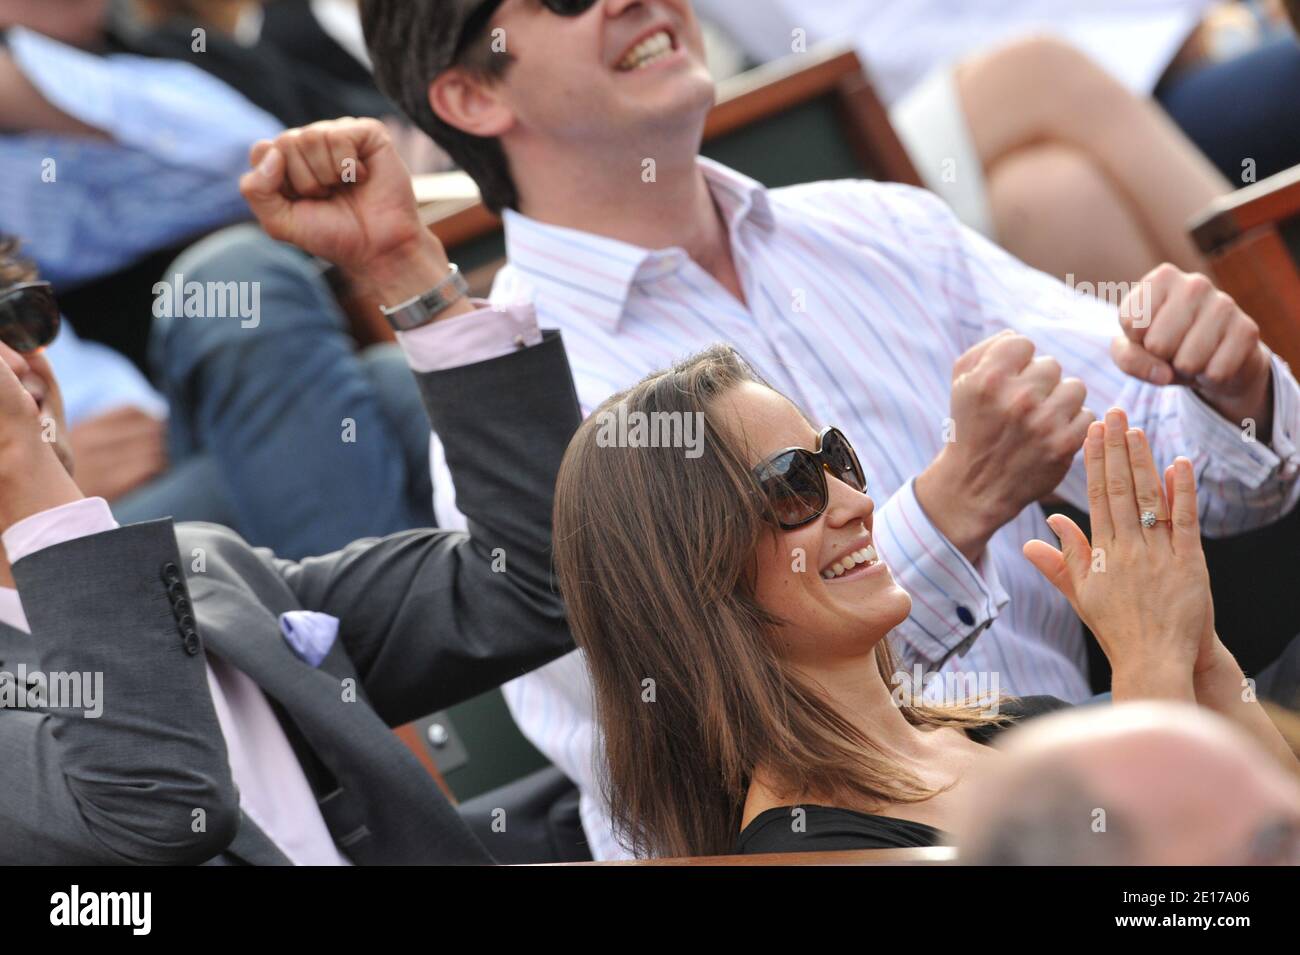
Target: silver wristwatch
424	308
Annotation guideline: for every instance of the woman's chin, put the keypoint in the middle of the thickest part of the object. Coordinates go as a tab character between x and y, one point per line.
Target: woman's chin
879	599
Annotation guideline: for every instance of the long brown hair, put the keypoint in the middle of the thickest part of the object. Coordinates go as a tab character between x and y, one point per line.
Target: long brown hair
655	551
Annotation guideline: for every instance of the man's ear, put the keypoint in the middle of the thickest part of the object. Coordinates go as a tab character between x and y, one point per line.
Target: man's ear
470	103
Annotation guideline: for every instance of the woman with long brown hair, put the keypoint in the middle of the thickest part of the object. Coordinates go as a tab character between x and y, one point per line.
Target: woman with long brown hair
733	611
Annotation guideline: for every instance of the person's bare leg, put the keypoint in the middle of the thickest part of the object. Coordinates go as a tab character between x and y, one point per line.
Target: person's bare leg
1054	209
1043	90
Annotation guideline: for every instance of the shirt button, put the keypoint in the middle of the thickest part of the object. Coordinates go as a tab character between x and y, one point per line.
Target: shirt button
965	616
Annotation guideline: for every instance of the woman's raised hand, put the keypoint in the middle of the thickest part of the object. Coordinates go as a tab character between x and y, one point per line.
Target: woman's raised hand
1142	588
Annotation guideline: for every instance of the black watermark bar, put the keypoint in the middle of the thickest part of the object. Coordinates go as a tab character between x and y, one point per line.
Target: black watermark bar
133	906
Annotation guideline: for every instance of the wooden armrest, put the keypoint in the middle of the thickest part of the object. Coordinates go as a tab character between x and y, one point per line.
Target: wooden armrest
933	855
410	737
1245	236
1264	203
775	87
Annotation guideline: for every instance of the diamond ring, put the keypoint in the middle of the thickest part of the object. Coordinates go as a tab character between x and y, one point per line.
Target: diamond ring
1148	518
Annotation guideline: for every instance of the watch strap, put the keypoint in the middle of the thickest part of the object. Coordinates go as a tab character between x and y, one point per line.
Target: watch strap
424	308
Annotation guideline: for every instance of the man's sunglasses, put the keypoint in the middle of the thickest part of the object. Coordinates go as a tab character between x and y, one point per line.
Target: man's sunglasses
794	480
478	20
29	316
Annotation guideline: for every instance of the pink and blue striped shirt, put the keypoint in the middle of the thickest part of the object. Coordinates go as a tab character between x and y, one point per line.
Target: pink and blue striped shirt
861	296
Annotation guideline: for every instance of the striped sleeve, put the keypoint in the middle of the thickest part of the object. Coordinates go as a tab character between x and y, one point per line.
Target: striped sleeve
953	601
1245	483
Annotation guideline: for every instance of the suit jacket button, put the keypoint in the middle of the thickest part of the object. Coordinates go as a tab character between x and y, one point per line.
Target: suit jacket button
170	573
191	643
182	609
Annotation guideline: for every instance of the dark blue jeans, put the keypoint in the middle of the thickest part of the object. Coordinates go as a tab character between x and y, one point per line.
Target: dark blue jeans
1242	109
282	430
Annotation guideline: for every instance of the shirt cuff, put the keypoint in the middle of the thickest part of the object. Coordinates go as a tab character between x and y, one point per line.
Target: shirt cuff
1231	450
58	525
953	600
490	332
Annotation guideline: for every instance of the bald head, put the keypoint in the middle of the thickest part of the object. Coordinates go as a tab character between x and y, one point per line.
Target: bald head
1131	784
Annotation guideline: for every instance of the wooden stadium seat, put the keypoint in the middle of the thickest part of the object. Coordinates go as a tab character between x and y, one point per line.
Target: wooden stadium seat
1252	238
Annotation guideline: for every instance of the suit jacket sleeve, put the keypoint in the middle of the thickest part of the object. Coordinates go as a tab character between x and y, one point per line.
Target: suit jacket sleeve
431	618
148	779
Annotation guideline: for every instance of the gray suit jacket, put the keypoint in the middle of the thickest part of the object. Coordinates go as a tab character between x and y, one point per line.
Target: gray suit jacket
426	620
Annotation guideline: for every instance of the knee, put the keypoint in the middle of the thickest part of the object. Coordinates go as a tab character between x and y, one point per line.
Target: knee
252	285
1037	186
1043	56
1073	83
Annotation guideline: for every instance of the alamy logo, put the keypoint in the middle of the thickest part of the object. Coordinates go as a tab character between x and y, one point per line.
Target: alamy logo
74	908
181	299
971	688
23	689
1132	299
651	429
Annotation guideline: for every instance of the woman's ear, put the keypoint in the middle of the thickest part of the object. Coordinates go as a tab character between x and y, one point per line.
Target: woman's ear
470	103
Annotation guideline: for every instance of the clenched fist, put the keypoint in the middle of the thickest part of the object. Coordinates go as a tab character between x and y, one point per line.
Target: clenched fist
1179	329
338	189
1017	425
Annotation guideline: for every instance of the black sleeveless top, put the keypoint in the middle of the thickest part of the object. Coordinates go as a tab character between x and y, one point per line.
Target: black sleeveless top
826	828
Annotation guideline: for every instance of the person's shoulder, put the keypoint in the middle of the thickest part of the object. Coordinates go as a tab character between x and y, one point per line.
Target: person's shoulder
892	218
898	201
810	828
1027	707
1015	710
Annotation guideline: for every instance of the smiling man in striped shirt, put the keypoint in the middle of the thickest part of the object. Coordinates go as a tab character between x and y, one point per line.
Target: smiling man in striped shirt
867	303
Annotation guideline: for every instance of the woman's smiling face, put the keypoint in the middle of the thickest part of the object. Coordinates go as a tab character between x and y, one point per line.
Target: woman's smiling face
834	605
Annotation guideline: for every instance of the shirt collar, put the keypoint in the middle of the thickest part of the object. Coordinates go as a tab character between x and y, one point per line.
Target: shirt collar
557	259
11	610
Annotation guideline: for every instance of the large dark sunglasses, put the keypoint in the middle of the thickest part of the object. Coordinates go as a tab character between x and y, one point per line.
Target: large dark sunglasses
29	316
794	480
476	21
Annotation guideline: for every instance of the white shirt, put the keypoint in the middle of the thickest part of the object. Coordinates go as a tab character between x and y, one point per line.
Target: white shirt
901	41
892	290
273	790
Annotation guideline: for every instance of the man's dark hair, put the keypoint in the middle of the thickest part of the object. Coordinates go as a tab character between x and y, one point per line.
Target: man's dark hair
406	39
14	269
